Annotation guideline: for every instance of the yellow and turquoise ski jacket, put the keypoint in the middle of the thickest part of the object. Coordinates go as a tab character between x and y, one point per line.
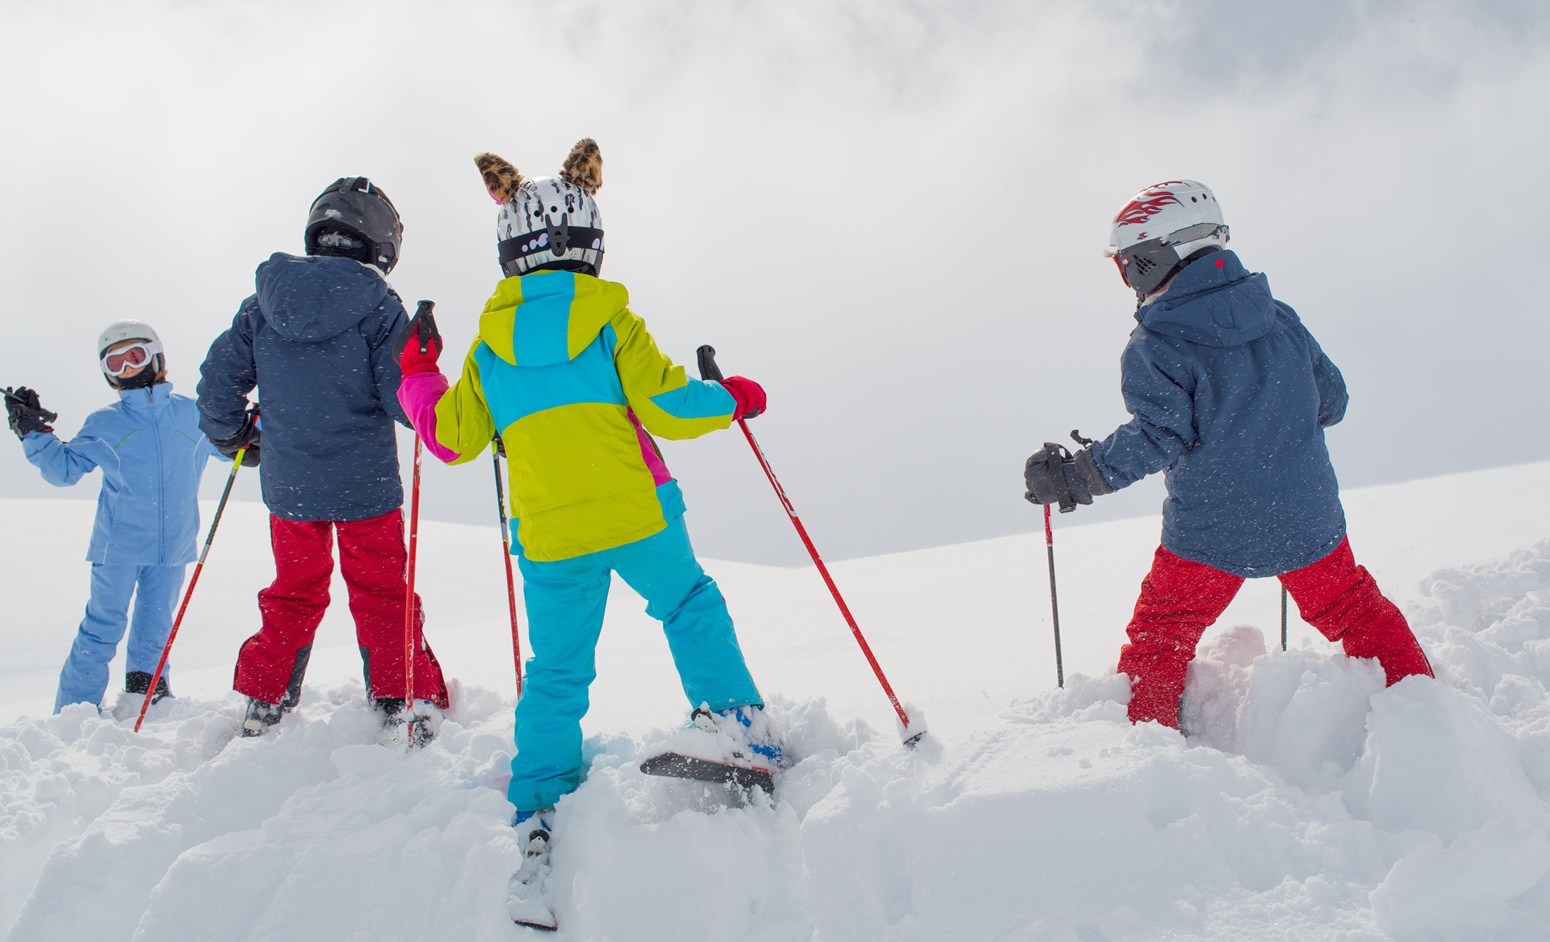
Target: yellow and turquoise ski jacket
574	384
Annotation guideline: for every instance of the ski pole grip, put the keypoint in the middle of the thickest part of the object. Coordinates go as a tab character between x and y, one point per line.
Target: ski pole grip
425	321
708	368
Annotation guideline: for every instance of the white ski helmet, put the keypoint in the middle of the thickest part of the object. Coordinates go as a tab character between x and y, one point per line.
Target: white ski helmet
1160	228
548	222
120	331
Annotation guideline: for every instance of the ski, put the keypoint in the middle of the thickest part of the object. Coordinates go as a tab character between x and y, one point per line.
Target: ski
532	914
527	899
677	765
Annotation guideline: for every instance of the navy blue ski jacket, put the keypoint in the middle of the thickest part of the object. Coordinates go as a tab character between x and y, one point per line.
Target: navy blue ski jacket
152	455
317	343
1230	393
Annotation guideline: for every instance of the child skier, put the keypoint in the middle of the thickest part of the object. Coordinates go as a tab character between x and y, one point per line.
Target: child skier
1231	394
570	379
152	455
316	341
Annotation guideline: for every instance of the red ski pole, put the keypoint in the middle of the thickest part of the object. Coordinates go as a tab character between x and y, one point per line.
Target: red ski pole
188	593
709	370
423	330
414	537
496	451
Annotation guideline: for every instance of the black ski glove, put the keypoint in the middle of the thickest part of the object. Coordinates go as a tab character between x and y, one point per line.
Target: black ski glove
245	437
25	413
1054	476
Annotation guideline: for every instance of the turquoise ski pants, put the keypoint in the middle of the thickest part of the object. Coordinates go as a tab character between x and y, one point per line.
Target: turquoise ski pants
565	603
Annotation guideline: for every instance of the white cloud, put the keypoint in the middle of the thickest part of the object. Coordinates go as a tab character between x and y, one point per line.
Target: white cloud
888	213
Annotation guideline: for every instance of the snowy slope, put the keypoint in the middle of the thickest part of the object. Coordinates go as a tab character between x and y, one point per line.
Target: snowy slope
1308	803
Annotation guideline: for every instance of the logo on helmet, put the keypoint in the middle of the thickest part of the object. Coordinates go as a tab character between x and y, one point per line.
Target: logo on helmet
559	236
1144	207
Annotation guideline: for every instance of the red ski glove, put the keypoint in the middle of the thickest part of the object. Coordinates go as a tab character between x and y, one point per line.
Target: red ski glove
419	344
749	395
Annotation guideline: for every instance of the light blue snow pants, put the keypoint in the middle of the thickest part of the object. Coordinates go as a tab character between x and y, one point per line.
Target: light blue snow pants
565	602
155	591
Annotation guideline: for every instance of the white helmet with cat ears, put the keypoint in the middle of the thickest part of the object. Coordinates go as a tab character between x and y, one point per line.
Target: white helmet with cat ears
548	223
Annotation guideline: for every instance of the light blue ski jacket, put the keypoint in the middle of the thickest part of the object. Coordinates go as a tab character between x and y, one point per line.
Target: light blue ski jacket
152	455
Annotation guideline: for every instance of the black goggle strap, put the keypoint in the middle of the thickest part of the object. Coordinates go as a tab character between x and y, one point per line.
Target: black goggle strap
542	242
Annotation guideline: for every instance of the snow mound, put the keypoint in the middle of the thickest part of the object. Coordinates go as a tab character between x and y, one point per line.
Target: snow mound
1305	801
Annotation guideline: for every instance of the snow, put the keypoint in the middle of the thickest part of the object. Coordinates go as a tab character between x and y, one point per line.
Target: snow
1307	802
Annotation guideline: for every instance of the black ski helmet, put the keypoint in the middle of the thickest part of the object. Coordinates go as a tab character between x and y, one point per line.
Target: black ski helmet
353	207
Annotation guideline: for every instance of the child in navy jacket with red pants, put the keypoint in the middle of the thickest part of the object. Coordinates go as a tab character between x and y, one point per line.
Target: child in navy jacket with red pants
1231	395
315	340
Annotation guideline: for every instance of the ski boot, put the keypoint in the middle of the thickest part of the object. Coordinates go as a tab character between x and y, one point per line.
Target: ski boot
527	901
753	742
420	728
140	681
260	716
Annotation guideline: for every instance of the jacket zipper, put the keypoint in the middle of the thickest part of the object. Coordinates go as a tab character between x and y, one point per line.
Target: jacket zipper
161	482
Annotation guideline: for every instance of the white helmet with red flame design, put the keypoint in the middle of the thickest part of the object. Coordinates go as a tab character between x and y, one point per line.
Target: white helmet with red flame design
1160	228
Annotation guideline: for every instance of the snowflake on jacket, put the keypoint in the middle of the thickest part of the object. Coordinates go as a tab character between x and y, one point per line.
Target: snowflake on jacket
317	340
1231	394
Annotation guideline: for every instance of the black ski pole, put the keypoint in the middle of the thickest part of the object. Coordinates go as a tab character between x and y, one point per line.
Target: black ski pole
1283	618
1054	601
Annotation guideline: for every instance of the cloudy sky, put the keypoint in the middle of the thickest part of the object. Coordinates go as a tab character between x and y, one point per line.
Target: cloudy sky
889	213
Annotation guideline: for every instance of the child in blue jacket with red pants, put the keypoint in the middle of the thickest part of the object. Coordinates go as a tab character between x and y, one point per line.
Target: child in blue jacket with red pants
152	455
1230	393
315	341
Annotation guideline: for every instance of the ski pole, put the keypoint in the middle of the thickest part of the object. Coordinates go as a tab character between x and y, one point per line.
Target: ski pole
414	538
424	327
1054	603
511	585
1283	618
1055	452
709	370
166	649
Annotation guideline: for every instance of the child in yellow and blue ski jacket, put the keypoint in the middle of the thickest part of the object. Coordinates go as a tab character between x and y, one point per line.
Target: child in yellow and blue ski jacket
573	383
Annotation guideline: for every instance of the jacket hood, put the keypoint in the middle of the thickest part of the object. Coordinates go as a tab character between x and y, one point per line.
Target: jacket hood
1214	301
548	317
315	297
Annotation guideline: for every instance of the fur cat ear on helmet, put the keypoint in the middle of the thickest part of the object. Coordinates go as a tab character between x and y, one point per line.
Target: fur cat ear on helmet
501	179
584	166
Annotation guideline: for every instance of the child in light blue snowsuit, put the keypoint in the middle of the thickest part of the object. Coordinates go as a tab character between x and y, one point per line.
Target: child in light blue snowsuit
152	455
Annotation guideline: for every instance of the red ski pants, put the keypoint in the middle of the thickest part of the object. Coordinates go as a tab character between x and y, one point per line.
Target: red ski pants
372	558
1180	599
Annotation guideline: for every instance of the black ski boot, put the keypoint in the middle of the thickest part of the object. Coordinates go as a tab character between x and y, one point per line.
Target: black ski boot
420	729
260	716
140	681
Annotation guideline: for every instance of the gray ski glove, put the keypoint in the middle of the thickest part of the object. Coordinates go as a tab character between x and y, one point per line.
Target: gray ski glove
25	413
1054	476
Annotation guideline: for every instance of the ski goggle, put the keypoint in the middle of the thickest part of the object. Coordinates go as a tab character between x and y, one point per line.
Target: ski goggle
134	356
